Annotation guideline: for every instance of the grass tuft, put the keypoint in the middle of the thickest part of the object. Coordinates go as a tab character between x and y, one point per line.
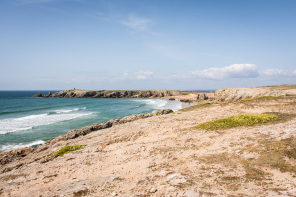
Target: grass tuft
193	107
256	98
235	121
12	177
68	149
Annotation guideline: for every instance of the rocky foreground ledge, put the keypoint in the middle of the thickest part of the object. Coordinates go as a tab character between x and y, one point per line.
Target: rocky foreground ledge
167	155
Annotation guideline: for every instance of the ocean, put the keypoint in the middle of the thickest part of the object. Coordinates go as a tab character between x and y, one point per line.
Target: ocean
28	121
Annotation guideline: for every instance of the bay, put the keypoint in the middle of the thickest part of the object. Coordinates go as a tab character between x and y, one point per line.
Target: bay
29	121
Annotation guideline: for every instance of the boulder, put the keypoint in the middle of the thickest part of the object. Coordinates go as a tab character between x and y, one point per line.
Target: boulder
161	112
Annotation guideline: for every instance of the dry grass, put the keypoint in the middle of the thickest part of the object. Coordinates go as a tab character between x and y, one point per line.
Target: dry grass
283	87
12	177
277	154
257	98
194	107
224	159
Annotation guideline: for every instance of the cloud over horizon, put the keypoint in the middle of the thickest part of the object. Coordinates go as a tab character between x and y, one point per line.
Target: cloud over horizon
232	71
235	71
278	73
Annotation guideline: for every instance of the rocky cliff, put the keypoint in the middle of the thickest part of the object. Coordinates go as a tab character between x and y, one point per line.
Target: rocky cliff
115	93
235	94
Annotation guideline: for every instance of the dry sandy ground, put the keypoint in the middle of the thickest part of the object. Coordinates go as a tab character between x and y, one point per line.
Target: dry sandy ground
166	156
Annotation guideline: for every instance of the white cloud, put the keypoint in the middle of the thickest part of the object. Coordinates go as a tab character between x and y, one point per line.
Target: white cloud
143	75
232	71
140	75
136	23
145	72
278	73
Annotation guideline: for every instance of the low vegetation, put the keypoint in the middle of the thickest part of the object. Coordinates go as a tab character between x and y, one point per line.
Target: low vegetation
283	87
256	98
277	154
12	177
67	149
235	121
193	107
270	153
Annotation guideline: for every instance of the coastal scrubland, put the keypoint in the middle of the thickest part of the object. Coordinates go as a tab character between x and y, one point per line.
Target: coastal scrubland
218	148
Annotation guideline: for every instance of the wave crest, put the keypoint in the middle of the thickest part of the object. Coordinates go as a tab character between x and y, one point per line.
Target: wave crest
20	145
31	121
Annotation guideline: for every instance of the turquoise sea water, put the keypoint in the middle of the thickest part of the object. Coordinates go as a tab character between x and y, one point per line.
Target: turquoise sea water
29	121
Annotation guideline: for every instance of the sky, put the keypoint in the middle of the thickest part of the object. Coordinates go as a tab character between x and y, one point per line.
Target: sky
139	44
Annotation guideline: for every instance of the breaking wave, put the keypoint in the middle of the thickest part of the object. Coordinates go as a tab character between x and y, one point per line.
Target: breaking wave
29	122
20	145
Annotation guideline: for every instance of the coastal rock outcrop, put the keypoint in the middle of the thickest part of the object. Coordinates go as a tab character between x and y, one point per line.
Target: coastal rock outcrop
11	155
98	126
235	94
48	95
38	95
114	93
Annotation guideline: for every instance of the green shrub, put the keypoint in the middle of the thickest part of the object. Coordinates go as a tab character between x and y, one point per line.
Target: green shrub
235	121
68	149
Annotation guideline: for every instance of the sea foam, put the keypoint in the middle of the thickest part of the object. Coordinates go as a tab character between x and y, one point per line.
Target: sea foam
31	121
20	145
161	103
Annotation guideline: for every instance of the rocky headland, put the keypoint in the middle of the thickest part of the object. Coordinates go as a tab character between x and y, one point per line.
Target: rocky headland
167	153
227	95
115	93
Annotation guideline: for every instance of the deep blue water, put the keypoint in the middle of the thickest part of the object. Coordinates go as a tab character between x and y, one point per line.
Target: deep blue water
29	121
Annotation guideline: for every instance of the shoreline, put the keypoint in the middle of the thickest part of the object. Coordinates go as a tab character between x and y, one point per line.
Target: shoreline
166	155
175	105
186	99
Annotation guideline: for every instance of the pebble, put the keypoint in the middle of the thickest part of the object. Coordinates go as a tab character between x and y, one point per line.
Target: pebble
153	190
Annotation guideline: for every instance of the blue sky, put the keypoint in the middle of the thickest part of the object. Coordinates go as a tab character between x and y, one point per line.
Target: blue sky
134	44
